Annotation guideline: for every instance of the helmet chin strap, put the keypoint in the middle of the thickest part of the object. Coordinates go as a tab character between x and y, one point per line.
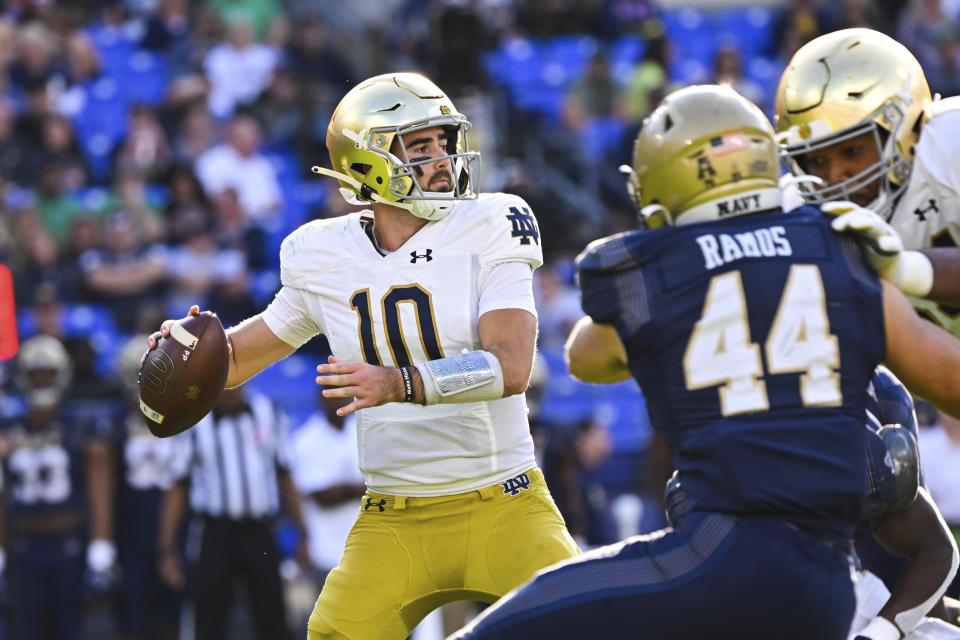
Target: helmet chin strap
426	209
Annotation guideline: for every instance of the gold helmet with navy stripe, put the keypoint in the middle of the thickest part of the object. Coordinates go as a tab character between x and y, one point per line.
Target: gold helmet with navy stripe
705	153
367	152
843	85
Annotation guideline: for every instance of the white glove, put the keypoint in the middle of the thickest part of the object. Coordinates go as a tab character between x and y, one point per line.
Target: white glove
101	554
909	271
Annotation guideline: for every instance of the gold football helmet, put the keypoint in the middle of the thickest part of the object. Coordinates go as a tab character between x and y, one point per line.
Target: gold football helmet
843	85
361	139
705	153
43	353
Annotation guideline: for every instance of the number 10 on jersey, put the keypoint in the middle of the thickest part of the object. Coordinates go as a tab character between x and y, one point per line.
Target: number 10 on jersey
720	351
422	303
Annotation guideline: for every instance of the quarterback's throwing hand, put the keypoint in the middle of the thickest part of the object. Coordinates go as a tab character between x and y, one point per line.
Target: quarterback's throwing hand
909	271
369	385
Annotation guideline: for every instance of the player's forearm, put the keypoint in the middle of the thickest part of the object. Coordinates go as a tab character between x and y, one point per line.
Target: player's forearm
253	348
171	516
100	490
337	494
946	274
291	501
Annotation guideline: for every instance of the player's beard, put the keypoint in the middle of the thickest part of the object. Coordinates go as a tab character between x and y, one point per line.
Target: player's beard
437	177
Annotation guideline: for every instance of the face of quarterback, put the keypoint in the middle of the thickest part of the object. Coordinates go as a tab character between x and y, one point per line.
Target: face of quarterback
424	144
842	161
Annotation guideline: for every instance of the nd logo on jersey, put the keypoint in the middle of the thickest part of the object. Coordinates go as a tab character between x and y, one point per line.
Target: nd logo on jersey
524	225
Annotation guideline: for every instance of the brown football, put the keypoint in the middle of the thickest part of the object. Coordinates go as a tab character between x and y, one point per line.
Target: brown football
183	377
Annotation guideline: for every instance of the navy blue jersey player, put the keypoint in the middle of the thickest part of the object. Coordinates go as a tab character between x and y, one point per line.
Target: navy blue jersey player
57	499
753	338
902	543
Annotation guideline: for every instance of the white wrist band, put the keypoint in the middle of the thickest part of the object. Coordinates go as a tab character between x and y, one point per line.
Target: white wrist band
913	274
880	629
474	376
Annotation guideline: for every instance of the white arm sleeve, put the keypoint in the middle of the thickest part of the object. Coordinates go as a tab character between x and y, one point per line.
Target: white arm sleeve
290	319
507	285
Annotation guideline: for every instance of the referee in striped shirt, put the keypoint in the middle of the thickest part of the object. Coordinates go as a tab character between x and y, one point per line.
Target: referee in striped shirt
233	468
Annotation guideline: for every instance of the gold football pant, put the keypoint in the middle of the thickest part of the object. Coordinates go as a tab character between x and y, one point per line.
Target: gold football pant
406	556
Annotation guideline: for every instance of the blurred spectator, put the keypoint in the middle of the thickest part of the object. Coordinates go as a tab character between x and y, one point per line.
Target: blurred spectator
83	61
130	194
934	37
258	14
458	35
145	150
84	236
126	273
647	83
146	607
187	206
195	134
311	54
56	206
238	69
16	155
570	453
57	500
594	96
940	461
167	30
848	14
196	266
326	471
35	64
60	148
233	468
234	230
40	265
238	164
283	109
728	70
797	25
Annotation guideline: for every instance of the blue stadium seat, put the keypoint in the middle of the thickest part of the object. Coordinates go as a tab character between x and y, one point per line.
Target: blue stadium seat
290	384
621	406
691	34
625	53
749	29
101	123
144	78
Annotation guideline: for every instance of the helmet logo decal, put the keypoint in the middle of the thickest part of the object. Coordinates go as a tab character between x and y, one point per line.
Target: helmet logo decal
705	171
805	131
444	109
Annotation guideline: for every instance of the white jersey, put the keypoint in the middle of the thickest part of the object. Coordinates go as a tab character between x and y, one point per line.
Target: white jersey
928	212
421	302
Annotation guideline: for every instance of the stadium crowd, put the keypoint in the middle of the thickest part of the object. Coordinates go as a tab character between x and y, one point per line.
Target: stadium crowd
154	153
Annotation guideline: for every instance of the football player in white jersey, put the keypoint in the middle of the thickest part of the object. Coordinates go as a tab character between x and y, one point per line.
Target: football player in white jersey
427	303
857	123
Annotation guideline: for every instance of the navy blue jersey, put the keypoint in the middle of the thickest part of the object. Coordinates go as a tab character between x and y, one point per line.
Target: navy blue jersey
753	340
43	470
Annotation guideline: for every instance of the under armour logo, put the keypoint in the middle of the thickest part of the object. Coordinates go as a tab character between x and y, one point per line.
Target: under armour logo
514	485
524	225
922	213
378	505
426	255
